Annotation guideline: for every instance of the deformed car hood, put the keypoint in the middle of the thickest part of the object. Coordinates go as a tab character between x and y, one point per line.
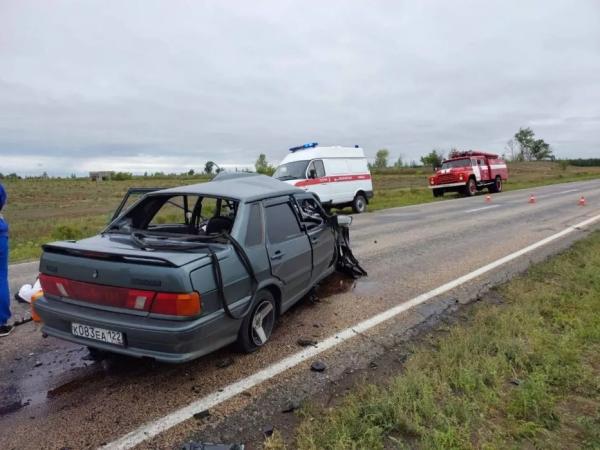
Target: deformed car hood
107	245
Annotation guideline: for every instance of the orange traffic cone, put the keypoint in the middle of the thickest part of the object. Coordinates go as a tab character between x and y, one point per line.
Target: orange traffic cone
532	198
582	201
488	198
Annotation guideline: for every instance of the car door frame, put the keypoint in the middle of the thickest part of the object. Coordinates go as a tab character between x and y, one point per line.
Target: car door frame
321	237
292	289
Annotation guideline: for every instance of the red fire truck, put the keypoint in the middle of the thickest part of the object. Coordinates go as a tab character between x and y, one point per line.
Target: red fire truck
469	172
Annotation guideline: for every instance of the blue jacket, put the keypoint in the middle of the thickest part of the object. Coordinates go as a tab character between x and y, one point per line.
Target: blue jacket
3	224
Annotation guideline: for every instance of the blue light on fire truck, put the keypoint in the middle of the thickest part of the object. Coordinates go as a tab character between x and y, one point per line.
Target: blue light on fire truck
302	147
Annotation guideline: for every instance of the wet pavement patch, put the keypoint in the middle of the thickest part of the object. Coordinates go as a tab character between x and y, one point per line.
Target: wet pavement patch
338	283
10	400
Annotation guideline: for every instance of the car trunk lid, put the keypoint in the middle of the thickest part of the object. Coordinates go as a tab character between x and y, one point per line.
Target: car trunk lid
107	273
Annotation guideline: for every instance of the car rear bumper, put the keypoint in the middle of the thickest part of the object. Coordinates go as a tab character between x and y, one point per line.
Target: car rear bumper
171	341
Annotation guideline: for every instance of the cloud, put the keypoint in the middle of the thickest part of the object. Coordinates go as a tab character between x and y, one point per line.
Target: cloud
141	83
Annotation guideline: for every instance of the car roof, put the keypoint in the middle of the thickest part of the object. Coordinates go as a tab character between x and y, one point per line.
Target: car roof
245	187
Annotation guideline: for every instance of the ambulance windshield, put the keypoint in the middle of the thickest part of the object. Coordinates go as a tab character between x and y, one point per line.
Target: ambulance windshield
291	171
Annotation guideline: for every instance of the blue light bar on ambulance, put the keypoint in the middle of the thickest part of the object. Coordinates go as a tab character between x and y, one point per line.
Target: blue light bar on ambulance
302	147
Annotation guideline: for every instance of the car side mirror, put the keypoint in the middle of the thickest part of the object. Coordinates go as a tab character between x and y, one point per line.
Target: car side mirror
312	173
342	221
435	169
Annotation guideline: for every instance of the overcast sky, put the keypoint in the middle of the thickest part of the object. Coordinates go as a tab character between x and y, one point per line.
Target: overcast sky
167	85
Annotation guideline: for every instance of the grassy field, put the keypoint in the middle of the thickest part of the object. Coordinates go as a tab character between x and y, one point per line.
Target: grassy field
524	373
40	211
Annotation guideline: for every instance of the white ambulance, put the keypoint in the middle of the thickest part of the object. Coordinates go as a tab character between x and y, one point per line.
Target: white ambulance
338	175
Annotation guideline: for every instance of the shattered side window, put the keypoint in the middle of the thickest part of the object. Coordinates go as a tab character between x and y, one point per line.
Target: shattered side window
172	212
310	212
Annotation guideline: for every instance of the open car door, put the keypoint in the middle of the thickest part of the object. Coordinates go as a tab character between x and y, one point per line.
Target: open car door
131	196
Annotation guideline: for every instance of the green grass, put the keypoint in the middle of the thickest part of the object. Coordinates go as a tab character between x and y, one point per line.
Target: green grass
40	211
522	374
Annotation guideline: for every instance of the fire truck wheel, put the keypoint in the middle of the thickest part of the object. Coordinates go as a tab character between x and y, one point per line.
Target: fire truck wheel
497	186
438	192
471	188
359	204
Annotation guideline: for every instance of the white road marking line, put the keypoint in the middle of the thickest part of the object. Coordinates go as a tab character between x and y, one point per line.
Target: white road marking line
154	428
482	208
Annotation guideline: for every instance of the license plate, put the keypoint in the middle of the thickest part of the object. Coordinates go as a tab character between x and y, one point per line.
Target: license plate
98	334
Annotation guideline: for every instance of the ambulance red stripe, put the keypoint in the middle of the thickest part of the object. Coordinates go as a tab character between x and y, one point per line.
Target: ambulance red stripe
332	179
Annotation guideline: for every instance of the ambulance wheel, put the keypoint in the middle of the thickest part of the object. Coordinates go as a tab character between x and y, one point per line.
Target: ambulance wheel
497	186
470	188
359	204
257	326
438	192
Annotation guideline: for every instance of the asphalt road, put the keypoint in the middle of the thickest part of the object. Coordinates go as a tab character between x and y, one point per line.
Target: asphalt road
52	397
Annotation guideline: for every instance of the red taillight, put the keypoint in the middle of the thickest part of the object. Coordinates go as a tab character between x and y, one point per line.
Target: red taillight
172	304
164	303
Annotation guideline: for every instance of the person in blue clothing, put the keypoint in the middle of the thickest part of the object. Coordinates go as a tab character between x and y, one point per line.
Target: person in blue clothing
5	329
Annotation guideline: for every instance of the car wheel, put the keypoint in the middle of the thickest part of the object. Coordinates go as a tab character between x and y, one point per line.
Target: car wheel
438	192
257	326
497	186
359	204
471	187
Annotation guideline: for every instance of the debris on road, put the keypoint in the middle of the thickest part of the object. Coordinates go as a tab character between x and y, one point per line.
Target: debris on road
22	321
225	363
318	366
306	342
291	406
268	430
202	415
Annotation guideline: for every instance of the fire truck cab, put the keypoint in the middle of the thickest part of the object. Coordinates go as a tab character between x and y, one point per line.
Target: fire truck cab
469	172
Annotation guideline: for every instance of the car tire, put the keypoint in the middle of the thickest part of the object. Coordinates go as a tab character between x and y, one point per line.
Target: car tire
497	186
359	204
257	326
471	188
438	192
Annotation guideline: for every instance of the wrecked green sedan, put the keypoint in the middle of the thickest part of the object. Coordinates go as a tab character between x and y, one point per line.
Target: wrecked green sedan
185	271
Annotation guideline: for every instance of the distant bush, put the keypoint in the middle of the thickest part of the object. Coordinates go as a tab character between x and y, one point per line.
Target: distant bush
122	176
589	162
